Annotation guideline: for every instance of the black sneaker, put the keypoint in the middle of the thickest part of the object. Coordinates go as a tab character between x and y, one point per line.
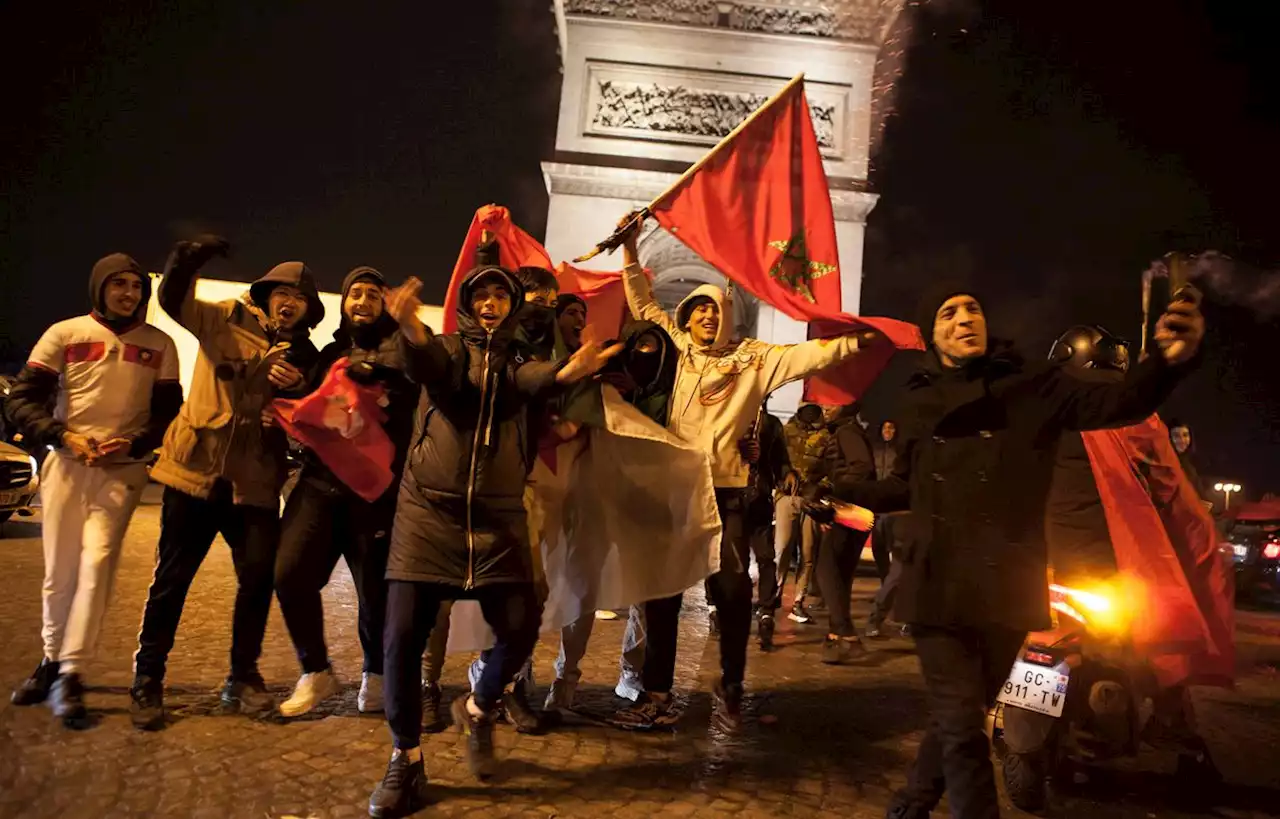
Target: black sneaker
248	696
146	707
403	789
520	713
800	615
35	689
479	734
764	631
726	709
66	700
433	721
646	714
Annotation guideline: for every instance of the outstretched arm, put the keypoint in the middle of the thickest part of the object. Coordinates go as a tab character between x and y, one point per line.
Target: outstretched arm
177	294
785	363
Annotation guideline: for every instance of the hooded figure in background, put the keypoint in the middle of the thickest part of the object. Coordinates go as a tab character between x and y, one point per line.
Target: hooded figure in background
99	390
223	465
324	519
979	429
460	527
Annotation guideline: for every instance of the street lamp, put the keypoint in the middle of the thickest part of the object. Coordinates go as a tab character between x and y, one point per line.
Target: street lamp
1227	489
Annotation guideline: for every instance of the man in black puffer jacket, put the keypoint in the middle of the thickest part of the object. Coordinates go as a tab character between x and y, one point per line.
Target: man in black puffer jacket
980	429
324	519
460	528
847	458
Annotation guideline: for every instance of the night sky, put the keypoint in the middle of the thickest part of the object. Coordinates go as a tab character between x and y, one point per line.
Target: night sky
1043	152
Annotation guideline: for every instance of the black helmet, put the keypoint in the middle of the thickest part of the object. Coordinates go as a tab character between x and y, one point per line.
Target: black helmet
1092	347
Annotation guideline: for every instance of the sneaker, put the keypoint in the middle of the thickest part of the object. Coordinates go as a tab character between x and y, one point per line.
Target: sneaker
874	631
311	690
433	722
146	706
560	697
837	651
66	699
726	708
370	700
35	689
250	696
649	713
713	623
604	614
630	686
479	734
906	632
764	631
403	789
800	615
520	711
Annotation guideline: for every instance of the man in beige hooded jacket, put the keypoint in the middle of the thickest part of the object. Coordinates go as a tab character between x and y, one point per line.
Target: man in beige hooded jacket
719	389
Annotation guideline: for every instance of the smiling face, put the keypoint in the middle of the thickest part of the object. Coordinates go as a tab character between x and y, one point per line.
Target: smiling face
704	322
888	430
121	295
960	330
490	303
572	321
1181	437
363	304
286	306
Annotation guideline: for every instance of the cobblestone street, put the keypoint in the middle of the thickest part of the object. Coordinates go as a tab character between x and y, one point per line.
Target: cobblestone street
819	741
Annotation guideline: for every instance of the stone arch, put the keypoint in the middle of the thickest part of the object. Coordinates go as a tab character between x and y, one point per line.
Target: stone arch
677	271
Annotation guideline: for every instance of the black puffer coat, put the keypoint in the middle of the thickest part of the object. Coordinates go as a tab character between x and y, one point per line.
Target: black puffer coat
978	449
460	518
847	455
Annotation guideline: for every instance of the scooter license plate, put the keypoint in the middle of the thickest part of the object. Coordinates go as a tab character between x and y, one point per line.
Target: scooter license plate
1035	688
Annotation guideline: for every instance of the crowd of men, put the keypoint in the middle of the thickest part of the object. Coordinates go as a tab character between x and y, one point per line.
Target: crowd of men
959	481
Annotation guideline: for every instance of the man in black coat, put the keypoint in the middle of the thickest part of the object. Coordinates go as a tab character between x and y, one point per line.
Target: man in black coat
980	429
460	527
324	519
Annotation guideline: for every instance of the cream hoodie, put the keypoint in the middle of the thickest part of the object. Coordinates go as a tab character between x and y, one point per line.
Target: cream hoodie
720	388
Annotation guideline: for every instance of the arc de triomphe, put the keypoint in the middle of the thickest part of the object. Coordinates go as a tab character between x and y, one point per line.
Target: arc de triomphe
650	85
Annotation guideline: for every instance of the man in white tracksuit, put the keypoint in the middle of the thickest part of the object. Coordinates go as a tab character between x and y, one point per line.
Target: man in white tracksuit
719	389
99	390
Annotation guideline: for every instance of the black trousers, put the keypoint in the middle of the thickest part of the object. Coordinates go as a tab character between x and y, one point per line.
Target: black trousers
188	526
323	522
964	669
760	539
882	544
510	609
730	590
837	564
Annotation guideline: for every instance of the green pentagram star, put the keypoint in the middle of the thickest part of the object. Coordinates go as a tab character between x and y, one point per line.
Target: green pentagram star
794	269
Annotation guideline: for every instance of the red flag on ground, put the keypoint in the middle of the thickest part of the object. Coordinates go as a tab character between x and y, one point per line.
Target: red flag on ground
602	291
759	210
341	422
515	249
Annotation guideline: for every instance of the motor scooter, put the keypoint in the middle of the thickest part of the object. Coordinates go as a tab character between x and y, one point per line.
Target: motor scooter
1078	695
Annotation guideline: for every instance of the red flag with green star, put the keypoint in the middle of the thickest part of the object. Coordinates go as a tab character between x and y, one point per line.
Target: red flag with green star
758	209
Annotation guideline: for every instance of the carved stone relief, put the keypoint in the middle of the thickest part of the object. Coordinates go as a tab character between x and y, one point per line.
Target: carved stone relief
685	111
861	20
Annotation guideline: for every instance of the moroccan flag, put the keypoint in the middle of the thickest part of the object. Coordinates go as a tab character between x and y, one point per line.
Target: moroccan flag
602	291
515	249
758	209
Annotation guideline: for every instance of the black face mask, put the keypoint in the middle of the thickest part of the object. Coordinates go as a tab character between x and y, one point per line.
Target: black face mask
538	323
644	367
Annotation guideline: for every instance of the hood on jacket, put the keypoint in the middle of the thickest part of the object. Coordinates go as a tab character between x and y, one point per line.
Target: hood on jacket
108	266
294	274
810	416
468	327
650	378
371	335
708	291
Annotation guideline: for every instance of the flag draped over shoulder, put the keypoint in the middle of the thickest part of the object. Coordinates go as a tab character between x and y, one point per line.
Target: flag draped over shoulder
1164	538
515	249
626	514
341	422
758	209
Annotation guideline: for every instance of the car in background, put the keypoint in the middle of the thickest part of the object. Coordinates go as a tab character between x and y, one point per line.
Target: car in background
1254	538
19	480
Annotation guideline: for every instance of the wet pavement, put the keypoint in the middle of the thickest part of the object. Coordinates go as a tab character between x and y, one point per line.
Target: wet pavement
819	741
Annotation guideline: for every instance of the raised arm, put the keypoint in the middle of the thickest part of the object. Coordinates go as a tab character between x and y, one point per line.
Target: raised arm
427	357
177	294
636	286
785	363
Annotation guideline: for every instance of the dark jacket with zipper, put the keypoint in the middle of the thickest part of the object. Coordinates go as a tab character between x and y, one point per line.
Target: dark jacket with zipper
460	517
978	450
847	456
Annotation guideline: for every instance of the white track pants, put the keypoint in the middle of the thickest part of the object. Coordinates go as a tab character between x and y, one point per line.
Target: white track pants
86	510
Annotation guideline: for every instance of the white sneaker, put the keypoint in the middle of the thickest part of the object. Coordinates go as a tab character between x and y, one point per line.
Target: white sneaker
370	699
560	697
629	687
311	690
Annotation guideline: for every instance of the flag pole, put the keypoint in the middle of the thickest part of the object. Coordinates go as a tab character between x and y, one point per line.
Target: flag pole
615	239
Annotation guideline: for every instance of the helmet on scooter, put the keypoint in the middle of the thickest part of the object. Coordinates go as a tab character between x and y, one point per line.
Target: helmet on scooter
1091	347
